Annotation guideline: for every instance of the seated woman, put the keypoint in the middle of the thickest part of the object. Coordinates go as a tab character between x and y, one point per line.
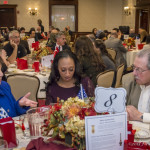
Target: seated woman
65	79
107	59
91	62
8	105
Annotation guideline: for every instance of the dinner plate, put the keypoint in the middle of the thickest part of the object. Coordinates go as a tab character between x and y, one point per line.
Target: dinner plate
28	70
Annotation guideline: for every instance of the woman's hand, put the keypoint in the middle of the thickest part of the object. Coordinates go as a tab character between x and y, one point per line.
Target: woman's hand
27	102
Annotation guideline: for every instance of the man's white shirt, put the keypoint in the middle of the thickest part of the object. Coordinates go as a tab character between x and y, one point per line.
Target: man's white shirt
144	102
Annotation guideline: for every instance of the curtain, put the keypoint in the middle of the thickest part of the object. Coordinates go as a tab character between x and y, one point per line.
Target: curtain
63	15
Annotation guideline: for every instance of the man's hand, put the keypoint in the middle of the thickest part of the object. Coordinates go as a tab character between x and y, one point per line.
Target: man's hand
133	113
27	102
13	44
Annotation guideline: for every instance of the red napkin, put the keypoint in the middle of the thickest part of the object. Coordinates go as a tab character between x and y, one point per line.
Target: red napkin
22	64
8	131
135	145
140	46
36	65
39	144
56	51
35	45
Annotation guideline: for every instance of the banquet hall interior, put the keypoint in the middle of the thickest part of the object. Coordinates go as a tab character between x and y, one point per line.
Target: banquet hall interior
46	28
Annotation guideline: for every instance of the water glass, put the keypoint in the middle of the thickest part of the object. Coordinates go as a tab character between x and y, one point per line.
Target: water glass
3	145
36	118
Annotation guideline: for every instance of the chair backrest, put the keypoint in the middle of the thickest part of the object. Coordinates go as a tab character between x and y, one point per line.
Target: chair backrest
105	79
21	84
119	74
112	52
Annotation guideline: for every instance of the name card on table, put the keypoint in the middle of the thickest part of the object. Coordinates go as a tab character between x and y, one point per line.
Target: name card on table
46	61
30	41
110	100
106	132
126	36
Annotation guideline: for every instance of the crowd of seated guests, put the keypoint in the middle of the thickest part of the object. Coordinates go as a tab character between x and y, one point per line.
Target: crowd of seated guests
70	71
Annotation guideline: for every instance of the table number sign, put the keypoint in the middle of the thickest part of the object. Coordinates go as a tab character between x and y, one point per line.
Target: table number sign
110	100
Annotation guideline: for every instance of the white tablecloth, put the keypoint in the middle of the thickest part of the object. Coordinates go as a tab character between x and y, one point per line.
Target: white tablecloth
130	56
42	77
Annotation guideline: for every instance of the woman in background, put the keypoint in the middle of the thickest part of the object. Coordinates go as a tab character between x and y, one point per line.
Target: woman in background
90	61
94	31
107	59
65	79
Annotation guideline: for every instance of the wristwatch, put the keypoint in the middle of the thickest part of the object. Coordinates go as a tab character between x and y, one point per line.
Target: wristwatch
142	117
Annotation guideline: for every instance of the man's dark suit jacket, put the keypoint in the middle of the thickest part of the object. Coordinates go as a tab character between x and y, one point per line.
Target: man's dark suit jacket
64	47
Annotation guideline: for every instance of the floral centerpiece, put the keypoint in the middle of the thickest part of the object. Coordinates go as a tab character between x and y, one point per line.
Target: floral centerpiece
130	42
66	121
37	54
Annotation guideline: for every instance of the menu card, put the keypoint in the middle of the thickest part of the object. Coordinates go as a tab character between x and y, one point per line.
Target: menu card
106	132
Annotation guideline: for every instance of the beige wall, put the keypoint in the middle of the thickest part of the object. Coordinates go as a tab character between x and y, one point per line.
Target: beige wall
91	14
102	14
129	20
113	16
25	19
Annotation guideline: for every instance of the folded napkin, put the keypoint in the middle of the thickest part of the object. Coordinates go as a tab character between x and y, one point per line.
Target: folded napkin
39	144
142	129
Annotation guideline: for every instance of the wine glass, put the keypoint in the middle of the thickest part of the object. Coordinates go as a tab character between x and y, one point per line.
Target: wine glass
24	125
3	145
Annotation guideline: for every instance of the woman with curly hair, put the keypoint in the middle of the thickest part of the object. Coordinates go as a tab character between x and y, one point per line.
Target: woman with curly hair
107	59
91	62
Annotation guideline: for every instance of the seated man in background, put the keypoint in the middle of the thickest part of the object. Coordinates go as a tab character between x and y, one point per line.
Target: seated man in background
138	88
14	49
60	42
116	44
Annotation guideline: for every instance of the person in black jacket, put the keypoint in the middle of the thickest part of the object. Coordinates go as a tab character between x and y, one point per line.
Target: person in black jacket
60	42
39	21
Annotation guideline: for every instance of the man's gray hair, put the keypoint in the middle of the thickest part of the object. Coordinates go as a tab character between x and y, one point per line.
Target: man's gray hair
12	33
59	34
145	53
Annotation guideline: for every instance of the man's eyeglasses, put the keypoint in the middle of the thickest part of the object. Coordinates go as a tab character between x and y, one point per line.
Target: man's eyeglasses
16	37
138	70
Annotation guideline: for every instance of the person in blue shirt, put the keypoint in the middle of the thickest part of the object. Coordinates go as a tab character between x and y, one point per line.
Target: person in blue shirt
8	105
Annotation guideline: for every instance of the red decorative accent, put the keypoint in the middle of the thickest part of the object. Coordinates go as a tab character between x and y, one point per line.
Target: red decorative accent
5	2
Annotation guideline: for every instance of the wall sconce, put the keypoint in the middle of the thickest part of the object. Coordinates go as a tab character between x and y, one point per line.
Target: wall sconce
33	12
127	11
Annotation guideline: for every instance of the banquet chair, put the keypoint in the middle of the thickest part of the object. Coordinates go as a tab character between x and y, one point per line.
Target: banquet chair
21	84
105	79
119	75
112	52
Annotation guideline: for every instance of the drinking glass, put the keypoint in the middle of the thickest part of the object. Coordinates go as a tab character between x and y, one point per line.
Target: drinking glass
3	145
24	125
36	118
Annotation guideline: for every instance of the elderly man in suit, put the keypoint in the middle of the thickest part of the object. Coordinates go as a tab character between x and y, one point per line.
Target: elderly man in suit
138	88
60	42
116	44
